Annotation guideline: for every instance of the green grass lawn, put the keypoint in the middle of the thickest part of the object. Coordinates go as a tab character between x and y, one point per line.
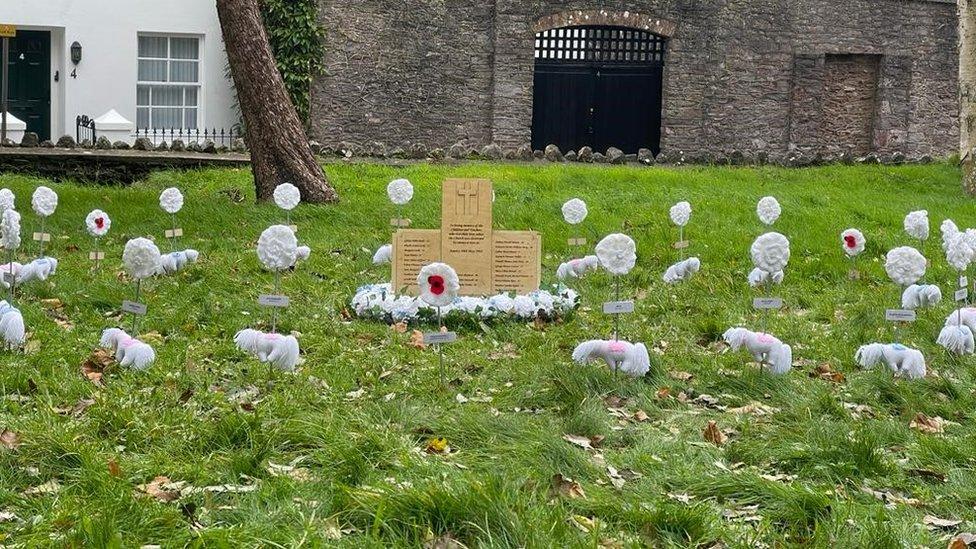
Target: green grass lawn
336	453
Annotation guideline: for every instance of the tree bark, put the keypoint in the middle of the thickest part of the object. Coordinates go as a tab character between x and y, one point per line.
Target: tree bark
967	94
279	147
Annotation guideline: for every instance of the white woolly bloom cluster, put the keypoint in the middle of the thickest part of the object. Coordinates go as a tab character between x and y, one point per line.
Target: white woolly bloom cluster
905	265
400	191
771	252
7	200
98	223
171	200
379	302
917	224
959	253
277	248
10	230
681	213
768	210
617	253
439	284
141	258
853	242
287	196
949	230
575	211
44	201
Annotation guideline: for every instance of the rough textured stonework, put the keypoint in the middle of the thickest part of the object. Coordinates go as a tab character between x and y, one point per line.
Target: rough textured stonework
745	75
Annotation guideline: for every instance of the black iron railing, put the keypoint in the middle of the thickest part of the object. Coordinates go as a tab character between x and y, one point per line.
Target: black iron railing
85	129
221	137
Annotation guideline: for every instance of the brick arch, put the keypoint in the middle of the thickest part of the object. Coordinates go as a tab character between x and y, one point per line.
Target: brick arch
642	21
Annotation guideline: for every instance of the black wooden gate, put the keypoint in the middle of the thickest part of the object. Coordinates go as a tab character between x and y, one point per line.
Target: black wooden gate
598	86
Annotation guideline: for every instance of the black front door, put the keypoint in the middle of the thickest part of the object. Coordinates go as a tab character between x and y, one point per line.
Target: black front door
598	86
29	93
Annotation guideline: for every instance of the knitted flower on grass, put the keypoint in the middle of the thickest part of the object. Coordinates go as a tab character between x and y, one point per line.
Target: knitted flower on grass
949	230
98	223
958	253
400	191
905	265
287	196
439	284
771	252
681	213
171	200
617	253
10	230
277	248
768	210
7	200
574	211
853	242
44	201
917	224
141	258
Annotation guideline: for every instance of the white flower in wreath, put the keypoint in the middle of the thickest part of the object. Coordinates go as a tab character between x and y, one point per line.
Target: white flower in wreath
681	213
917	224
439	284
524	306
141	258
171	200
768	210
853	242
287	196
771	252
98	223
277	248
905	265
10	230
400	191
617	253
7	200
575	211
44	201
959	254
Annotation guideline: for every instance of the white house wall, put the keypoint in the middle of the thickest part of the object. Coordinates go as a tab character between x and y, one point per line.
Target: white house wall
108	32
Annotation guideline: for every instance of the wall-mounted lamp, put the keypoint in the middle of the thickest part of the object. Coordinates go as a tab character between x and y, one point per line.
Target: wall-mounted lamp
76	53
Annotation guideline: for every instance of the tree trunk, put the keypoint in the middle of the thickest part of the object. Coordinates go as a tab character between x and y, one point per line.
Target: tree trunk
967	94
275	136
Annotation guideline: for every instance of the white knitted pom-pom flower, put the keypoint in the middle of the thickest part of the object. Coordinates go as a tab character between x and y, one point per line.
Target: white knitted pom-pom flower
958	253
171	200
905	265
98	223
287	196
768	210
770	252
400	191
681	213
617	253
278	248
575	211
141	258
949	230
439	284
917	224
44	201
10	230
7	200
853	242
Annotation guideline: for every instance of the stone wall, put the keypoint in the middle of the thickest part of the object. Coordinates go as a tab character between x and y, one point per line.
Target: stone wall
754	76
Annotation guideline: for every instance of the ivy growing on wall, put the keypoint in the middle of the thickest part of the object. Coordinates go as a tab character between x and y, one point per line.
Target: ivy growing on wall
298	44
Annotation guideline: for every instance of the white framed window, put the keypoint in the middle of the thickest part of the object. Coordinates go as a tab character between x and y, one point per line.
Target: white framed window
168	87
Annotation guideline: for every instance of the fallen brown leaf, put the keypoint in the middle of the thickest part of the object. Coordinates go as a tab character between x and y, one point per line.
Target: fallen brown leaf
827	373
963	540
928	425
417	340
587	443
160	488
681	376
113	468
50	487
94	366
566	487
9	439
399	327
934	522
713	434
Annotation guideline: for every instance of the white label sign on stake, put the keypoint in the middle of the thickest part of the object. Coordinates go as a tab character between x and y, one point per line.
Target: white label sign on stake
899	315
577	242
963	281
399	222
681	244
173	233
42	237
96	256
439	338
962	294
767	303
618	307
134	308
280	301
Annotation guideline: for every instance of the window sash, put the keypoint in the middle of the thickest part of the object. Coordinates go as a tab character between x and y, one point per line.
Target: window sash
168	82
